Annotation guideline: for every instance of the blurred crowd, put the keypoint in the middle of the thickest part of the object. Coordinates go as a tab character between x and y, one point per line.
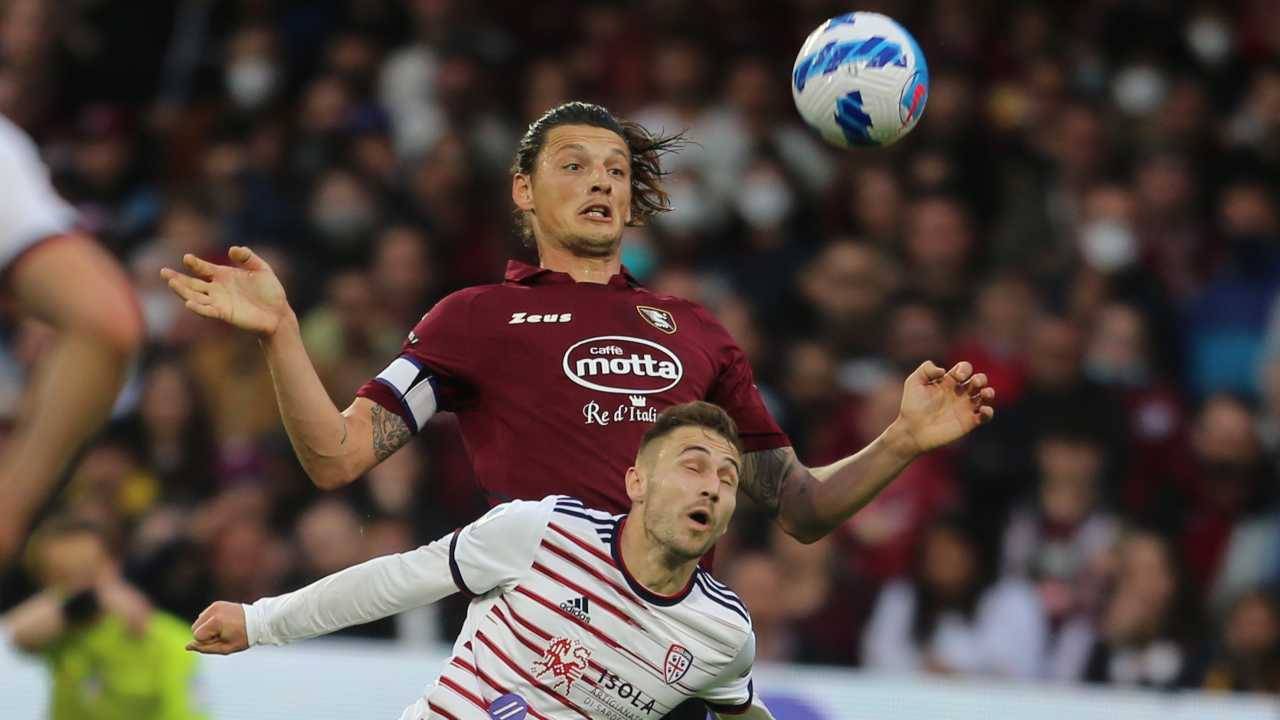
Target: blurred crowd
1088	212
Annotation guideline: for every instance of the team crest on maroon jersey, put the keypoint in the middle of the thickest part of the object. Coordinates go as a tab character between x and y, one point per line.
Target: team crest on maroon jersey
679	660
658	318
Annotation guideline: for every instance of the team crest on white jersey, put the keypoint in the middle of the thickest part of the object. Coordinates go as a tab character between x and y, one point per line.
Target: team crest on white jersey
563	663
658	318
678	662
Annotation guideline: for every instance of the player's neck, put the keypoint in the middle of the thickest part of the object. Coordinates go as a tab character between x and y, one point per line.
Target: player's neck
581	269
651	564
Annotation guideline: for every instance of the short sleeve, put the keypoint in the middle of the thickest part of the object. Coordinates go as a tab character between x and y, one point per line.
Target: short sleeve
30	209
497	550
733	690
436	368
735	390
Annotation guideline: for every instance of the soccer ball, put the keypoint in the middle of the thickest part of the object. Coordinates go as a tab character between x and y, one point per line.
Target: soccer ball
860	79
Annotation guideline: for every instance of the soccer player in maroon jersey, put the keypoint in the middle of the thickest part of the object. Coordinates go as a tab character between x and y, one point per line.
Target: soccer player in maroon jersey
555	373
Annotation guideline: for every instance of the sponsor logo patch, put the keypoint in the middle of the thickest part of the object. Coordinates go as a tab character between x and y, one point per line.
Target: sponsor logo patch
509	707
622	365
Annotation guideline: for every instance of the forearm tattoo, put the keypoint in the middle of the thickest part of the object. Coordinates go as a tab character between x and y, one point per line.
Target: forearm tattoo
764	472
389	432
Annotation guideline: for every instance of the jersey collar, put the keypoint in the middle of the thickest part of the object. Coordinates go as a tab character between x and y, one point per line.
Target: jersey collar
615	549
523	273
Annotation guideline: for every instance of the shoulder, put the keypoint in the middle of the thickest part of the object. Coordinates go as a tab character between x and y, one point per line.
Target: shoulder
721	601
583	523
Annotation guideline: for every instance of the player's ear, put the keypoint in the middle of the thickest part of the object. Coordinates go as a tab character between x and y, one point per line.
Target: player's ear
522	191
637	484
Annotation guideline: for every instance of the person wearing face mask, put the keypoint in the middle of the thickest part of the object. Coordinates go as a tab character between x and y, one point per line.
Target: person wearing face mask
252	73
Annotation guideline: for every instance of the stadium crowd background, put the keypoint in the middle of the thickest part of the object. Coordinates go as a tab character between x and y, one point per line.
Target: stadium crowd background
1087	212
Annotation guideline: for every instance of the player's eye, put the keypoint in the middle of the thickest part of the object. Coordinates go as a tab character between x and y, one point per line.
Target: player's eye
618	172
572	167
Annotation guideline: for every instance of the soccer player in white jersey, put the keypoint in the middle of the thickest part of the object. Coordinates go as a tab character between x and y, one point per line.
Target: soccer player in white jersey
576	613
65	279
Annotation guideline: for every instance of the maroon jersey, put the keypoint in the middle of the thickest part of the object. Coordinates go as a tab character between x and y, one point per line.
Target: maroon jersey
554	381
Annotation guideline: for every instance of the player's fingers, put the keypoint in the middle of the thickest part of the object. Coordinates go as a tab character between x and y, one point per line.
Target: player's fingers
190	283
204	309
209	630
246	258
985	413
961	371
203	268
929	371
976	383
985	395
184	291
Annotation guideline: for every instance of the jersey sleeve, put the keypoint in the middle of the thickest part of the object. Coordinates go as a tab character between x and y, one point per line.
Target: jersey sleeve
493	552
30	209
734	690
436	368
735	390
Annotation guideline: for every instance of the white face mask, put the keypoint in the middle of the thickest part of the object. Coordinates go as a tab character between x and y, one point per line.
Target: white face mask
1210	39
1139	89
765	203
1108	246
251	82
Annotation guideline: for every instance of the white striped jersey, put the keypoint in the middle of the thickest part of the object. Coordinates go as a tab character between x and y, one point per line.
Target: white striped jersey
30	209
557	627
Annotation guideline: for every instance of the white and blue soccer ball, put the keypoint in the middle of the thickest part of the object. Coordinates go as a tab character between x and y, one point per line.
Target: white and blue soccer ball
860	80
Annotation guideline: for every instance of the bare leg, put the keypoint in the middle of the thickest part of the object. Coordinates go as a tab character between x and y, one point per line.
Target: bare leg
78	288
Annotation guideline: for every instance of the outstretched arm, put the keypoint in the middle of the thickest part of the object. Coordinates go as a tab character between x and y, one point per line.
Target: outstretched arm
489	553
362	593
333	447
938	407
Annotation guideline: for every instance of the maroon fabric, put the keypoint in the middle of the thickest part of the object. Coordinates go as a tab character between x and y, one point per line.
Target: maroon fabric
543	408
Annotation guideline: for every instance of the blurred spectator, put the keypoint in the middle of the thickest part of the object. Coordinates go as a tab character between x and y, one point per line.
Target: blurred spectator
1120	358
1226	322
1230	480
996	342
1059	541
954	617
1147	622
110	653
1248	659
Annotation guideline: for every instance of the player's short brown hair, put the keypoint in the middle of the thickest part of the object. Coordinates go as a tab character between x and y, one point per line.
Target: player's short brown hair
648	197
693	414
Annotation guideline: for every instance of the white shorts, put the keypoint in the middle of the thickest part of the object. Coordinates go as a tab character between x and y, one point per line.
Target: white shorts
30	209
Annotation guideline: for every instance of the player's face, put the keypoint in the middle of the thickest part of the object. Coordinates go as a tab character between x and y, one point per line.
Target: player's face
580	190
692	491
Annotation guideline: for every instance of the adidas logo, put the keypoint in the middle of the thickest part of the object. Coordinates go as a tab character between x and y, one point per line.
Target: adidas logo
578	607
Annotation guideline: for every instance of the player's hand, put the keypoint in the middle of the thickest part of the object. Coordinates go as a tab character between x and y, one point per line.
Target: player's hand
246	294
940	406
220	630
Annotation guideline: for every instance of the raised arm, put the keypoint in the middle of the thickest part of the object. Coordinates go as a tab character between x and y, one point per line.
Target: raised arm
938	407
333	447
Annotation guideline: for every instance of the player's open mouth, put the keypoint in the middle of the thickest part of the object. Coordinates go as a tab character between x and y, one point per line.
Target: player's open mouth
598	212
701	518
